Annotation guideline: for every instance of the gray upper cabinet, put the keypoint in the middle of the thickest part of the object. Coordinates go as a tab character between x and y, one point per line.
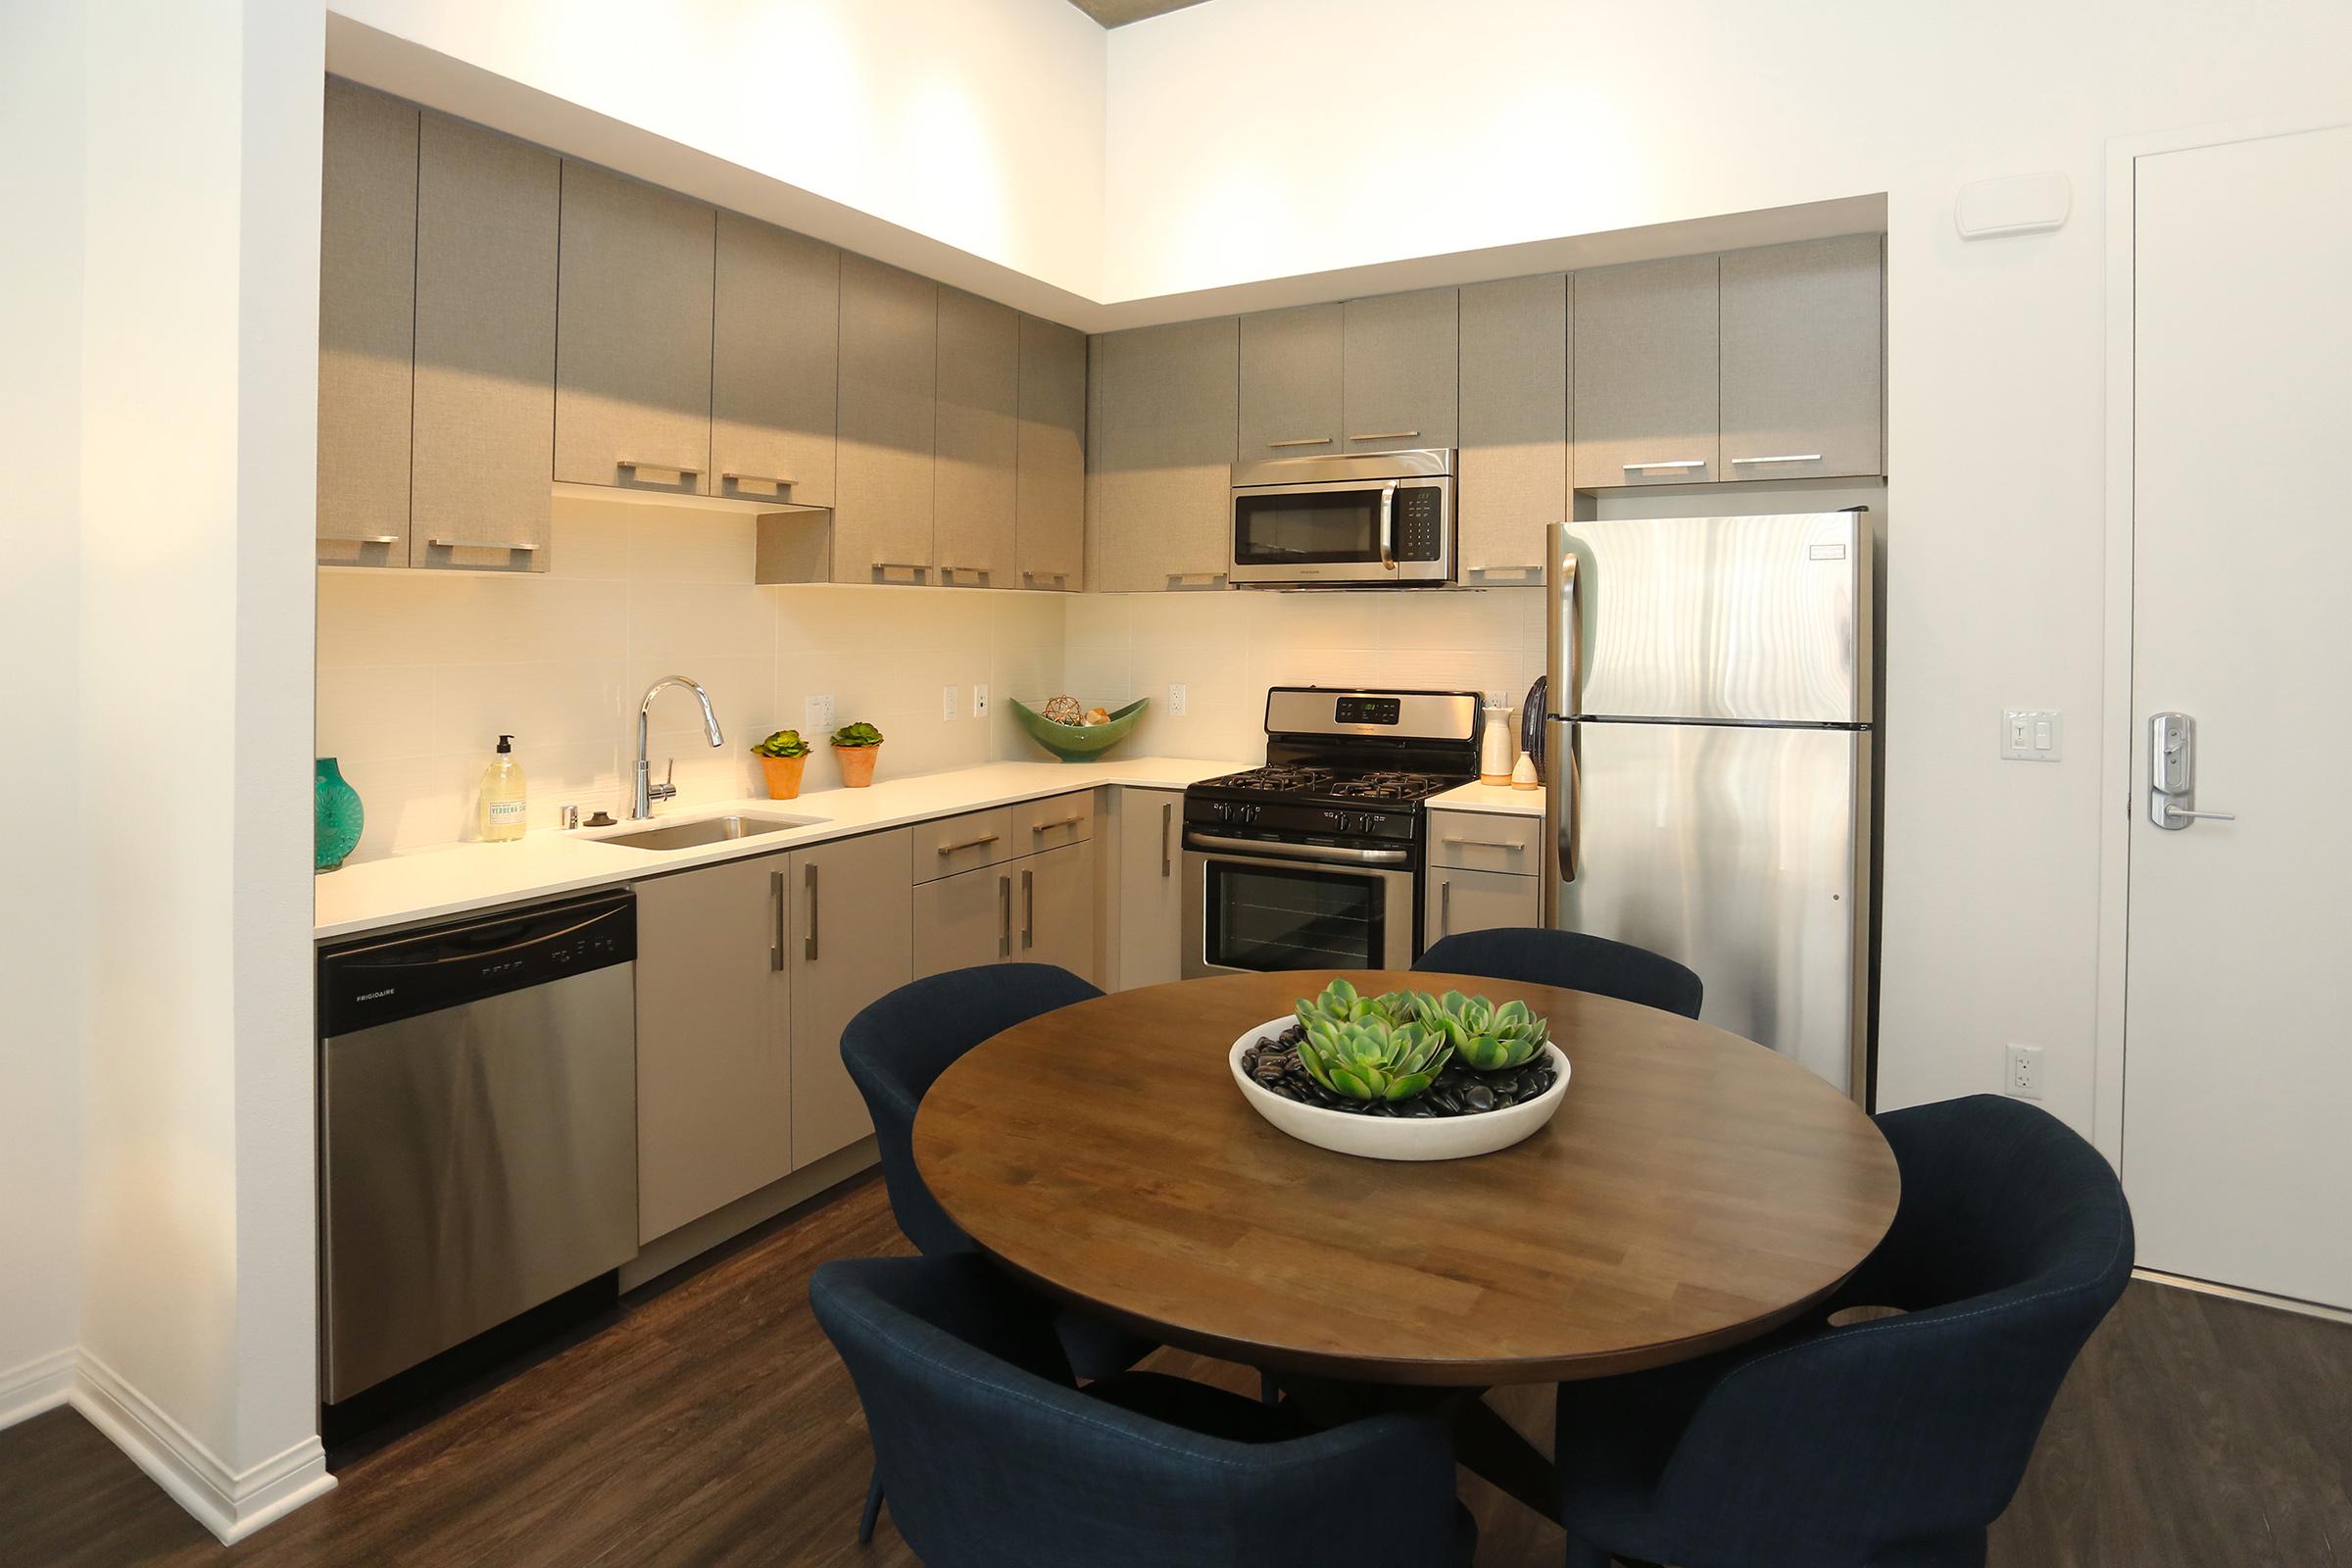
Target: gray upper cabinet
1162	432
633	335
775	345
1512	473
366	314
1803	350
1049	472
1646	382
882	516
978	440
1291	382
1400	359
487	213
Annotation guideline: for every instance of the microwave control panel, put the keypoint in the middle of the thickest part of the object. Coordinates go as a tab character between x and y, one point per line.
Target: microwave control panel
1419	522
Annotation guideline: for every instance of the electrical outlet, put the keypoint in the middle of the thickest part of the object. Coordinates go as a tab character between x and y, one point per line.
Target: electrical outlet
1175	698
948	706
816	717
980	699
2025	1072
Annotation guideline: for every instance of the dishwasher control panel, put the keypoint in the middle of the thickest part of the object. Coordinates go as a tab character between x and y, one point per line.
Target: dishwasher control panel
382	979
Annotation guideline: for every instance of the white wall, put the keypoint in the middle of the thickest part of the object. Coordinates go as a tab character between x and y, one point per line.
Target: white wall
1565	119
40	1041
977	125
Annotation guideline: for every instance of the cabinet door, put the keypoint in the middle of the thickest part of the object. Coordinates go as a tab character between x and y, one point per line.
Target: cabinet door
1478	900
1513	464
1150	887
882	506
775	345
1291	382
1646	383
1402	362
979	438
852	941
367	318
1049	469
1164	429
713	1074
488	208
965	920
633	335
1053	908
1802	356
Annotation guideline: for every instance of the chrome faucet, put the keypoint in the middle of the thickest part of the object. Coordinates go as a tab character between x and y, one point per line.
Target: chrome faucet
641	804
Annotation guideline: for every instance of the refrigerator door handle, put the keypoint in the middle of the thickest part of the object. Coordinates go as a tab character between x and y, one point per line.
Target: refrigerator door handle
1571	806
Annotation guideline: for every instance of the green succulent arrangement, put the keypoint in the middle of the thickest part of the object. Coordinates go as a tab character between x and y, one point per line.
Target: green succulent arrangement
1392	1047
783	743
852	736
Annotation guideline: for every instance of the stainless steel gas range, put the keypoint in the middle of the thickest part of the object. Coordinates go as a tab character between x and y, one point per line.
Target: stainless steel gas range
1314	861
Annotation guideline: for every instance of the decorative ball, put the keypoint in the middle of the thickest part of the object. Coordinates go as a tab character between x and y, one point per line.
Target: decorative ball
1063	710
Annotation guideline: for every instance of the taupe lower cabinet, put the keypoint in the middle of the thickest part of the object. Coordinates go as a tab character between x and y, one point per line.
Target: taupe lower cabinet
1054	907
1483	872
1162	430
633	335
366	319
1646	382
1479	901
883	500
978	440
1013	883
746	973
1150	887
1049	470
1512	466
776	349
965	920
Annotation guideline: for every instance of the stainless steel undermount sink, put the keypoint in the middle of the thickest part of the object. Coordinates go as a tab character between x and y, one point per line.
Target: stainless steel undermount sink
709	830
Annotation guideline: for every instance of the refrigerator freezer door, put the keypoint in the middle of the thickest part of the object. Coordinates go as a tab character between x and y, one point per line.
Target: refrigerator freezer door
1735	619
1731	850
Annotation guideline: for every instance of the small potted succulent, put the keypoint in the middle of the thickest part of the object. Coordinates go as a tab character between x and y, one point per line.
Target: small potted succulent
855	748
782	756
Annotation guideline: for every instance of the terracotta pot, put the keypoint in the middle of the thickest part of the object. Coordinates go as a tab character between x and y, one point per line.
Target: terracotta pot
856	765
783	775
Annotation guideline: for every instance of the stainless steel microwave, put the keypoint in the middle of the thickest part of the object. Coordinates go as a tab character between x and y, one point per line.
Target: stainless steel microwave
1354	519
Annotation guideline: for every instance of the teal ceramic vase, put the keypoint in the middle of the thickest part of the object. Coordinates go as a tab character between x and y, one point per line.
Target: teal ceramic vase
338	816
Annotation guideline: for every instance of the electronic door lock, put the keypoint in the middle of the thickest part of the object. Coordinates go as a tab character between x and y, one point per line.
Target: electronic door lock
2173	774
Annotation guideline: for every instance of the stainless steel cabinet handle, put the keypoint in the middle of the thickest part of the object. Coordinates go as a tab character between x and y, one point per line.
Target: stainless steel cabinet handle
968	844
480	544
633	465
360	539
1047	827
775	888
1484	844
913	569
1385	435
776	482
1789	457
1310	441
1167	822
1029	575
808	947
1445	906
1028	908
1206	579
1678	463
1004	916
945	573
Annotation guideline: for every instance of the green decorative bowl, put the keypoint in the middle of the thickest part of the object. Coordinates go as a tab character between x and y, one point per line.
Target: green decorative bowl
1079	743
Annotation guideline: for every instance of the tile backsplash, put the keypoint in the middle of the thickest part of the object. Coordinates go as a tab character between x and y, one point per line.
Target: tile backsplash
420	672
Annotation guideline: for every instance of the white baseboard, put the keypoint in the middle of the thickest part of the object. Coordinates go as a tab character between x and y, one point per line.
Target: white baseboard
231	1505
41	1383
2282	1303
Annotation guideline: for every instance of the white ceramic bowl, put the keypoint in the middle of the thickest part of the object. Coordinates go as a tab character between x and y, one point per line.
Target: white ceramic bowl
1398	1137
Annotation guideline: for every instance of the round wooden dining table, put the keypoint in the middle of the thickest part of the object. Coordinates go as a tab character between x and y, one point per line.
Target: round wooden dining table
1694	1191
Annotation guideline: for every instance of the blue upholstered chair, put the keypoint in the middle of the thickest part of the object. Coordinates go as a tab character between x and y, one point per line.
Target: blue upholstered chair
1890	1443
996	1460
1571	960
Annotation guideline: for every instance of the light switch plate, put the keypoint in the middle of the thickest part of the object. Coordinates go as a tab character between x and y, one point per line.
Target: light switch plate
816	717
980	699
949	705
1175	698
2030	734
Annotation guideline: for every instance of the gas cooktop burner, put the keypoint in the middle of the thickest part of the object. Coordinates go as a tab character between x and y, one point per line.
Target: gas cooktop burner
1389	787
1274	780
1323	783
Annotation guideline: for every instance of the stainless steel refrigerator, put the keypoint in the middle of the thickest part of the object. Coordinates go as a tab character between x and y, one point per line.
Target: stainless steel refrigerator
1708	762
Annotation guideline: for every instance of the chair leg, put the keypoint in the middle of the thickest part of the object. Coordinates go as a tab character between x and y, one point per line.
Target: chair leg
873	1508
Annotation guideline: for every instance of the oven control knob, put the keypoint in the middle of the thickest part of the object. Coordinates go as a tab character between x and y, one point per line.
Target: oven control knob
1222	810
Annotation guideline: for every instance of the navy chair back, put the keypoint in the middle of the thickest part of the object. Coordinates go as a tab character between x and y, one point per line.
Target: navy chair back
1898	1439
896	1048
1571	960
993	1460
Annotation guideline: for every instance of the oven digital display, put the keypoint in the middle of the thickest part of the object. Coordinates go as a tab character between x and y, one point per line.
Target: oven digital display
1368	710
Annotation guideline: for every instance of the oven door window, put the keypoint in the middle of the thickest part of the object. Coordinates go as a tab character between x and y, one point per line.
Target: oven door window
1267	917
1307	527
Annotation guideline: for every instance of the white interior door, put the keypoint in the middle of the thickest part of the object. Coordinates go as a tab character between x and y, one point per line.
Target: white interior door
2237	1077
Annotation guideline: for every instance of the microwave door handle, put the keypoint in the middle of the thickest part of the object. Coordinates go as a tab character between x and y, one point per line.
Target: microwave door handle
1388	526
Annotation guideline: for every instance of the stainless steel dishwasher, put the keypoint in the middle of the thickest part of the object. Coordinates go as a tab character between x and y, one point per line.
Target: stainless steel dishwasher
477	1128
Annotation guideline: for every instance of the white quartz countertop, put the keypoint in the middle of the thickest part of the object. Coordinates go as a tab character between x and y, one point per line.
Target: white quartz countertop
1501	798
453	879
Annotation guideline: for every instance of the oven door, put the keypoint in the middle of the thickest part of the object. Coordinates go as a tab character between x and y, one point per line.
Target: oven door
1338	533
1293	906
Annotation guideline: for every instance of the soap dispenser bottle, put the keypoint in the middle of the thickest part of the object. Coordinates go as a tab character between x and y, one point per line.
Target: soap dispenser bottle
502	798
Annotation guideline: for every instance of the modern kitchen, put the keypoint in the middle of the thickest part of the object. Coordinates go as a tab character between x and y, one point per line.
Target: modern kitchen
745	625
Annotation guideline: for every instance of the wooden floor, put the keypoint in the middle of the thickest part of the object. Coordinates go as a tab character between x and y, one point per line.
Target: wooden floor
709	1422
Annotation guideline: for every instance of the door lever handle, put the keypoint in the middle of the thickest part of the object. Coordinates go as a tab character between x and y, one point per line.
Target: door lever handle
2178	814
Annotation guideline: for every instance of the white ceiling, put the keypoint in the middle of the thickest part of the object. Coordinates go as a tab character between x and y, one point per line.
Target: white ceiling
1117	13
